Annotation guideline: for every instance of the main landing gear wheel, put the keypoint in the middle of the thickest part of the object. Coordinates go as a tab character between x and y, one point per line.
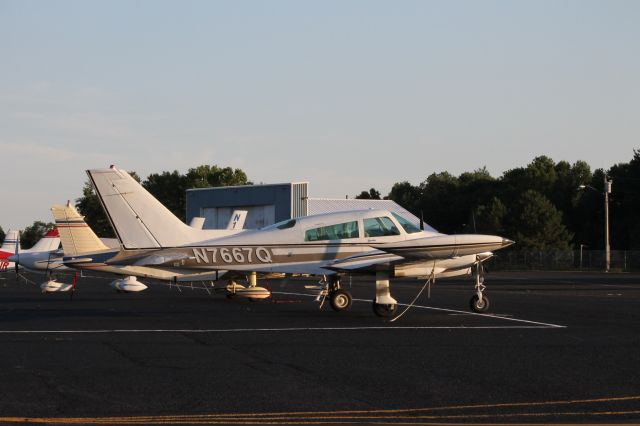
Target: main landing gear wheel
384	310
478	305
341	300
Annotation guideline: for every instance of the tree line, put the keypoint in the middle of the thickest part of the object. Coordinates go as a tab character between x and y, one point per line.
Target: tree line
540	206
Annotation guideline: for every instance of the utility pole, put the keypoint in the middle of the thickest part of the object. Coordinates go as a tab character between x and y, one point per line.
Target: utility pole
607	248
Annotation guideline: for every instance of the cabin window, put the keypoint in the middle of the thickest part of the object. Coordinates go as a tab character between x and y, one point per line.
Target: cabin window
333	232
409	227
379	227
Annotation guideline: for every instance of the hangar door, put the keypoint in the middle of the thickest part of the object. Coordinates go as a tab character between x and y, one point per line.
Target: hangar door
257	216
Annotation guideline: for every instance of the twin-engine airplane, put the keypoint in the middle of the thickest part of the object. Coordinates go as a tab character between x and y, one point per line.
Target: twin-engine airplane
374	242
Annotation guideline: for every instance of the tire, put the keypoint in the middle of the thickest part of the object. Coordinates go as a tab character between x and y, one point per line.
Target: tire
477	306
384	311
341	300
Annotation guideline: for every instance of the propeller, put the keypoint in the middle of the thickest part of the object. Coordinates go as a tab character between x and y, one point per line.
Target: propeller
47	272
73	286
421	221
16	264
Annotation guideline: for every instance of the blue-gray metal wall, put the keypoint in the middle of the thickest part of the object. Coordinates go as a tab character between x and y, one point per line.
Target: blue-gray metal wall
279	195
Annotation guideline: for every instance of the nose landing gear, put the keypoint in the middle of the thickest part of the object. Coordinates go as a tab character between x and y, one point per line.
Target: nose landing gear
479	302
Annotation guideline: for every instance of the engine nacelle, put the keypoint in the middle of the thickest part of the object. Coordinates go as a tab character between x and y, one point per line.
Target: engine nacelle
53	286
250	292
253	292
128	285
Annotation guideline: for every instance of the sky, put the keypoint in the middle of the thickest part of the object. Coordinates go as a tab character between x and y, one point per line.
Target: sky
346	95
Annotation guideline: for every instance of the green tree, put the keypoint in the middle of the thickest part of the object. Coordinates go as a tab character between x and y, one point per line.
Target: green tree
536	224
2	235
541	175
566	197
169	188
441	203
407	195
89	206
32	234
624	203
490	217
206	176
373	194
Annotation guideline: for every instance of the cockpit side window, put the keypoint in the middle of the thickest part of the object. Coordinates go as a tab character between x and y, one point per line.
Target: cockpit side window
285	224
409	227
333	232
379	227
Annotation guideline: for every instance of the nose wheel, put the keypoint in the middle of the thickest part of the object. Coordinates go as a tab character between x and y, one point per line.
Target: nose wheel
385	310
479	303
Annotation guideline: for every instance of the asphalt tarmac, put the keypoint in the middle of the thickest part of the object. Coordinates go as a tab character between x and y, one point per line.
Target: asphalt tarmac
554	348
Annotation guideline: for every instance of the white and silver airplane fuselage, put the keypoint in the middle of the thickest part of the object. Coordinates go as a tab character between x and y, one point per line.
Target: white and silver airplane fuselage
330	245
294	247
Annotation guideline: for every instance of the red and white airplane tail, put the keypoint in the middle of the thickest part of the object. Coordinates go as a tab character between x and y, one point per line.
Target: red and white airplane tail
9	247
51	241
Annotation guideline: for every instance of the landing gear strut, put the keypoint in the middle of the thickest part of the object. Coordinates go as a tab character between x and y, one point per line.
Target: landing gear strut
384	305
479	302
339	299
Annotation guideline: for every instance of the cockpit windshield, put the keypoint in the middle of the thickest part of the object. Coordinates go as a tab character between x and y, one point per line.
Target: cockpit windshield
285	224
409	227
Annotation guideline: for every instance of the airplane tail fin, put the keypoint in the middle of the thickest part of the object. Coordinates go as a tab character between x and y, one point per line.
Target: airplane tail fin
76	236
51	241
237	219
140	220
10	241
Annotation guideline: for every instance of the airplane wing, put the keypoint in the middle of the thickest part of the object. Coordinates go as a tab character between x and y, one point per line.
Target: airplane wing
365	261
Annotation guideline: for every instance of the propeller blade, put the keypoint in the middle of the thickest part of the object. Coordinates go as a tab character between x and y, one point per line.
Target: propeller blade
48	263
421	221
16	264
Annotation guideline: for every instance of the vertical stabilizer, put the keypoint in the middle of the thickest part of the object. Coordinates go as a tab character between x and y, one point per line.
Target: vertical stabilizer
76	236
50	242
140	221
10	241
237	219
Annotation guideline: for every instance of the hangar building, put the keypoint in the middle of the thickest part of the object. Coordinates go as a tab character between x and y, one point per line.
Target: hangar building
271	203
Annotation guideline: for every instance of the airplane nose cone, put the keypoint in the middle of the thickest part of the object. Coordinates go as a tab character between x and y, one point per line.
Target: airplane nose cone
506	242
14	258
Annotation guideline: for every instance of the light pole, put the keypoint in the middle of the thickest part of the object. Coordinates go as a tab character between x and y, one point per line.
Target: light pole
607	190
581	247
